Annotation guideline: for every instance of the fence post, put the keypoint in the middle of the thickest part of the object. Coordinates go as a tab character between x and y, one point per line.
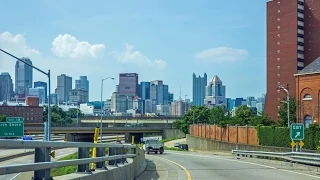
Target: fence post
83	153
228	133
124	152
42	155
101	153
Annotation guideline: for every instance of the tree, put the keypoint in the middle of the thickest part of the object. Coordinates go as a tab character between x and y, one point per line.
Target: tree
283	111
74	112
245	114
3	117
219	114
58	115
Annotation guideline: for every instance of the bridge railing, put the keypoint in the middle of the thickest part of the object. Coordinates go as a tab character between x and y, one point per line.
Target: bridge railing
117	153
297	157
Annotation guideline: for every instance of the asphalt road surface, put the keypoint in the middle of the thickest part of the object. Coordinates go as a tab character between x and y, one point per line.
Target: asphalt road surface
174	165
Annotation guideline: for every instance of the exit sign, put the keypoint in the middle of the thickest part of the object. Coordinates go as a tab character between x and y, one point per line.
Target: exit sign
297	131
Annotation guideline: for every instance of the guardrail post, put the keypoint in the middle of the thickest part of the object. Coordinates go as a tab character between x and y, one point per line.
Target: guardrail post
83	153
112	151
124	152
101	153
42	155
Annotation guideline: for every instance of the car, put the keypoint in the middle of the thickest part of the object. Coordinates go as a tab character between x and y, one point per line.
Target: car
153	146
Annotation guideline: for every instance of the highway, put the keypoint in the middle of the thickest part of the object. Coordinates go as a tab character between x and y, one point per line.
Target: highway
175	165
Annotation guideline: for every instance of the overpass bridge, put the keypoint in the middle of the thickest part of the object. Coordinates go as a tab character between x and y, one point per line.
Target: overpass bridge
90	130
85	134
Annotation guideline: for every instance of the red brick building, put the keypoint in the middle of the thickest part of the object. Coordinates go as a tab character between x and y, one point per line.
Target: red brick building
293	41
308	93
31	114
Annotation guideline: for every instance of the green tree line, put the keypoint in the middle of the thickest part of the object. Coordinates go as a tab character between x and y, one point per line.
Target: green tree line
58	115
244	115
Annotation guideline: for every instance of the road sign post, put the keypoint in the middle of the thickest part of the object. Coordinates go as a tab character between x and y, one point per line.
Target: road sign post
13	127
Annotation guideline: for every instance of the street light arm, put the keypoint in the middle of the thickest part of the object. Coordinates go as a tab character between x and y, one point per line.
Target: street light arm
107	78
24	62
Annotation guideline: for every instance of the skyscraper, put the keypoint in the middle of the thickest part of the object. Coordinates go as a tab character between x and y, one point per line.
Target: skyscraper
215	93
128	84
23	76
156	91
145	90
165	94
6	87
198	92
82	83
292	43
64	85
44	85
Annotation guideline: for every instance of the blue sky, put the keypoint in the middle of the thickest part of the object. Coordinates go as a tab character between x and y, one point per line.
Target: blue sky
161	39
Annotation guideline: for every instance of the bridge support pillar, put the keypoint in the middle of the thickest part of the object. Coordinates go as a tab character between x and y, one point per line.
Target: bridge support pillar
79	137
137	137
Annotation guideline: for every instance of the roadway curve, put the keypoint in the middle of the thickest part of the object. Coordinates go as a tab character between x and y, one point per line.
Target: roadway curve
187	165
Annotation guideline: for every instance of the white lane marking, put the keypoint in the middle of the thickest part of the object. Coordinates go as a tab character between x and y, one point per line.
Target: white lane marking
218	157
15	176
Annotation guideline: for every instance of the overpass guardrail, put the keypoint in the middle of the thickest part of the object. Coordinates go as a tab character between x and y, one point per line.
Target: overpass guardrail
117	153
297	157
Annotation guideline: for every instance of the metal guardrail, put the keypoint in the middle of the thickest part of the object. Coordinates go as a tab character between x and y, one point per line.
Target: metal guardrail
298	157
117	153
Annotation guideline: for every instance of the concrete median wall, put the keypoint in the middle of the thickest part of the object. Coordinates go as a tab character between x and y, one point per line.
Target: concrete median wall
204	144
172	134
128	171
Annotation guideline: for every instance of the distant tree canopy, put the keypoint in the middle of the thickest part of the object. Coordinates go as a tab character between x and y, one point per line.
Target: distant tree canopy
58	115
3	118
221	116
283	111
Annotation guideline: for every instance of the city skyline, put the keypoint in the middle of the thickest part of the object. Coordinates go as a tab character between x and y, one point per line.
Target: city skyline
141	43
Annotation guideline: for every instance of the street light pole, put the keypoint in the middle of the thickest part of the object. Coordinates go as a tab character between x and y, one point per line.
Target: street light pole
288	103
47	129
185	104
101	106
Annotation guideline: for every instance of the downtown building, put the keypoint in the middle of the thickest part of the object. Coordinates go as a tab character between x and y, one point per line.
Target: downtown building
6	87
293	41
199	89
64	86
23	77
215	93
126	92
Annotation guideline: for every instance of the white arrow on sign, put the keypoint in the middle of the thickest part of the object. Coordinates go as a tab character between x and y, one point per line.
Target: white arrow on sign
298	134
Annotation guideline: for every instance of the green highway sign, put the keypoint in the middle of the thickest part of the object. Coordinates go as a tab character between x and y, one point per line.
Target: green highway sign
297	131
11	129
14	119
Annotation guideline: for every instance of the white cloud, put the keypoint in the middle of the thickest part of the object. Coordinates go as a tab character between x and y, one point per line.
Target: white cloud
69	46
221	54
17	44
129	55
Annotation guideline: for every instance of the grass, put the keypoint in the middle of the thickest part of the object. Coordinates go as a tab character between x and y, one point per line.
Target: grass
67	169
172	148
166	140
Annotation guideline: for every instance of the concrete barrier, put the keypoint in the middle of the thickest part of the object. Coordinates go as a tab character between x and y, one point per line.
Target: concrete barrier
205	144
128	171
172	134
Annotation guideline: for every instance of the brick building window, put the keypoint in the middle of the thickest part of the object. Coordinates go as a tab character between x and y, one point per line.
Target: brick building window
307	97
